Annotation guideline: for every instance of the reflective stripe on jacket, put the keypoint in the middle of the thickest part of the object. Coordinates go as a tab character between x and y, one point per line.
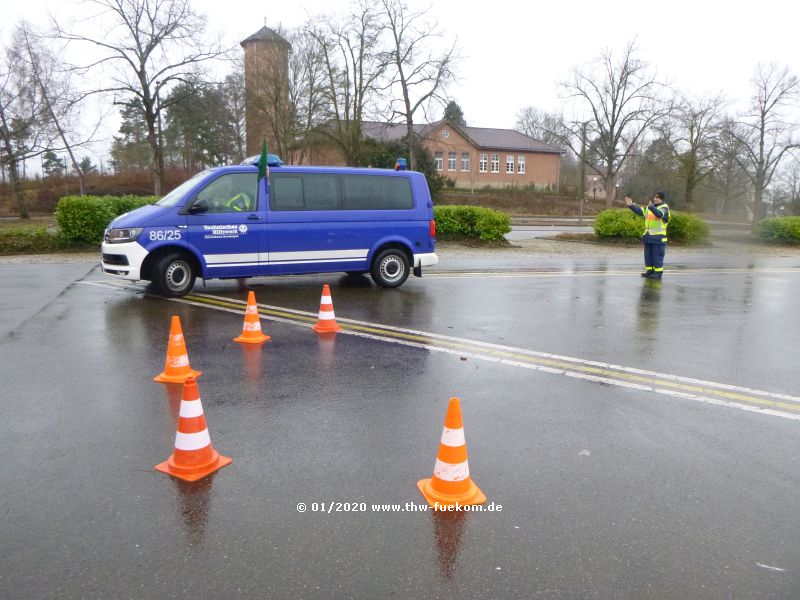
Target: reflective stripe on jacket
653	224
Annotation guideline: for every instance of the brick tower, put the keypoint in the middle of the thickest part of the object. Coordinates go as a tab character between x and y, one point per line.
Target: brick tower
266	84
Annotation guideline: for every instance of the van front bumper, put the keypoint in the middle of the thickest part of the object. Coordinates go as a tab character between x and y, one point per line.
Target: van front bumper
123	260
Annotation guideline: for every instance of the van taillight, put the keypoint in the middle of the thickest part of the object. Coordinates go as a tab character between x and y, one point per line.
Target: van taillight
433	228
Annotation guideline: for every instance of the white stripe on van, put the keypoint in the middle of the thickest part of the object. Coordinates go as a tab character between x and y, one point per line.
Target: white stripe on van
285	258
317	255
226	265
226	259
314	262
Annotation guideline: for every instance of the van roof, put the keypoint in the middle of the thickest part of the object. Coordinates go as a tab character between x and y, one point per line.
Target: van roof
335	170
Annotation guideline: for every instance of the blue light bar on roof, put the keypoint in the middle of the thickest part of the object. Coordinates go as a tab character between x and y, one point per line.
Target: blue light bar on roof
273	160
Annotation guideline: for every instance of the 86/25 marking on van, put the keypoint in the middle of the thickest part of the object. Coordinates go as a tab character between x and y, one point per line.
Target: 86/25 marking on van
160	235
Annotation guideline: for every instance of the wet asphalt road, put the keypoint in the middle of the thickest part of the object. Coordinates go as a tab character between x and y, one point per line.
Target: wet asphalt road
607	490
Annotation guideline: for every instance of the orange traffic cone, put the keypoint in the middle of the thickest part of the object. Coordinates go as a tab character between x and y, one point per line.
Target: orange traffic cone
194	456
251	331
450	484
176	367
326	323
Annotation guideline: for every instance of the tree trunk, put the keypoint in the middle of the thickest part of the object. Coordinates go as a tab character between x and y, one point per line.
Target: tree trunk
157	157
608	188
13	173
16	184
758	198
688	194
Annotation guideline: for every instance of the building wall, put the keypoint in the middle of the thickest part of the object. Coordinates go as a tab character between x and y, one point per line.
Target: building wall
266	66
541	169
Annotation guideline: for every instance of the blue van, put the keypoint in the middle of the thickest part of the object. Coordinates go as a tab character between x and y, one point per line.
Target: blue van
225	223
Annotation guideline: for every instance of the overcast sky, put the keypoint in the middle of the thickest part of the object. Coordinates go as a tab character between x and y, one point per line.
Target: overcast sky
516	51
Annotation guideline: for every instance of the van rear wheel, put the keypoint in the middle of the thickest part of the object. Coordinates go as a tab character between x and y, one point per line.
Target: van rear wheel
174	275
390	268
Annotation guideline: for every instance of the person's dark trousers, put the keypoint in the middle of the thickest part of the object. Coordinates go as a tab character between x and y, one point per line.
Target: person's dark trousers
654	259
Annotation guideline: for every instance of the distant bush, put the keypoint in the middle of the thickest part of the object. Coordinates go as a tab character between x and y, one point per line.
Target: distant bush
471	222
621	223
688	228
618	223
83	219
123	204
24	241
785	230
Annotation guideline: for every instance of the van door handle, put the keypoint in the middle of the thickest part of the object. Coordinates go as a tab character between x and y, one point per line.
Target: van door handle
254	218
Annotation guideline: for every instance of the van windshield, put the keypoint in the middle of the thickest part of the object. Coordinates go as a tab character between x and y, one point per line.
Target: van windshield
179	192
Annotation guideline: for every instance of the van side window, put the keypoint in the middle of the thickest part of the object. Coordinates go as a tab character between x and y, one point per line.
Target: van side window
376	192
286	192
234	192
321	192
306	191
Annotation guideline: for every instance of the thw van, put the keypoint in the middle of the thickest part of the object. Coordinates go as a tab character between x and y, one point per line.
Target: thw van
225	223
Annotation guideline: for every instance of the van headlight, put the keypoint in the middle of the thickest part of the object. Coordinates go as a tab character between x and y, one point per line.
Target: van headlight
121	236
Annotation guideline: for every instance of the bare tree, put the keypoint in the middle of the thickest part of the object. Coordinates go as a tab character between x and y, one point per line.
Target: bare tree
151	45
730	183
618	102
693	134
420	73
787	187
542	126
25	130
307	79
764	133
354	63
234	93
61	101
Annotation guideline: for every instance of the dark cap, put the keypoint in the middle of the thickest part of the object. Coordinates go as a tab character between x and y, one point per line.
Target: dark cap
660	194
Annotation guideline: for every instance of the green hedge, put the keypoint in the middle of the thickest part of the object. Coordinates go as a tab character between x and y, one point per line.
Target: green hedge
785	230
688	228
621	223
23	241
470	222
83	219
618	223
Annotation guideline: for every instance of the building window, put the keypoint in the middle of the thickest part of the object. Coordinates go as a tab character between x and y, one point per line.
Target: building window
445	133
465	161
510	163
521	165
451	161
439	158
495	163
484	162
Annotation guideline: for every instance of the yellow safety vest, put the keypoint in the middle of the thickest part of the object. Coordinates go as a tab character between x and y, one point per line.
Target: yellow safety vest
245	201
653	225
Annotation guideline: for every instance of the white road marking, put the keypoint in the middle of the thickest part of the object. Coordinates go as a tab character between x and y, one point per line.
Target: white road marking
769	568
688	388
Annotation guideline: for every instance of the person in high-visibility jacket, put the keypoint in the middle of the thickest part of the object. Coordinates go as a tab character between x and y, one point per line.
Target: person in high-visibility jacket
656	217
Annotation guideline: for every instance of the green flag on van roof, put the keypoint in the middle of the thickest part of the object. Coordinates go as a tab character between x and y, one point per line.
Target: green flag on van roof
263	169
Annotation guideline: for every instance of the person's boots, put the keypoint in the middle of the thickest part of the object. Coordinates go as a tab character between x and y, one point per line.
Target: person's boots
647	274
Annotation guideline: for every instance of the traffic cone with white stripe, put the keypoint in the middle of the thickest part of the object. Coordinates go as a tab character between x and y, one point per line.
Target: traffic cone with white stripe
251	331
326	323
176	367
194	456
451	484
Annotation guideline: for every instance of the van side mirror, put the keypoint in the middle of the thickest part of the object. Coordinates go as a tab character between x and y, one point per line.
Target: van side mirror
199	206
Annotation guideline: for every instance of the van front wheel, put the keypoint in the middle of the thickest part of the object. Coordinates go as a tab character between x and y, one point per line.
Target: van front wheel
390	268
174	275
